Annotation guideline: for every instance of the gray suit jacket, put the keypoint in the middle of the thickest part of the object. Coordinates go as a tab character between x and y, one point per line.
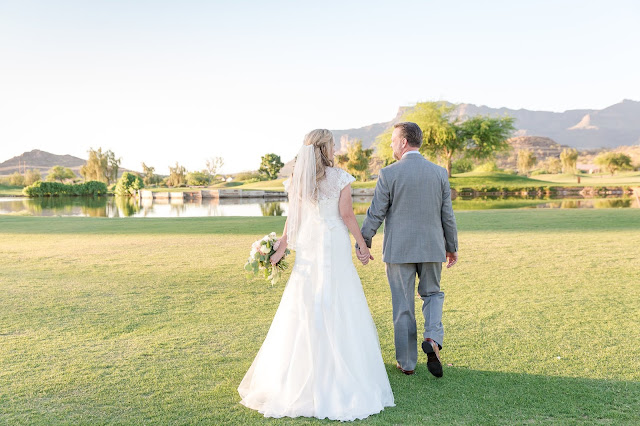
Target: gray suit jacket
413	199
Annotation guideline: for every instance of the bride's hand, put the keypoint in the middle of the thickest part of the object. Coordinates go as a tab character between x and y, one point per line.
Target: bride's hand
364	255
275	257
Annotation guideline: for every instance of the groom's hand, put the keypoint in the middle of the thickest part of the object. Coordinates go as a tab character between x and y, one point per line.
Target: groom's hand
452	259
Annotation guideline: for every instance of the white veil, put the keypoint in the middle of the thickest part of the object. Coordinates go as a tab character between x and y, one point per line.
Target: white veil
301	191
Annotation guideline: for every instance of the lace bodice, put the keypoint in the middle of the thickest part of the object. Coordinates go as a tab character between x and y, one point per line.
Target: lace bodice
334	181
329	193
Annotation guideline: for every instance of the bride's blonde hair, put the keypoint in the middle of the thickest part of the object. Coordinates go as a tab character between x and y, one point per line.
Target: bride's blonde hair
322	140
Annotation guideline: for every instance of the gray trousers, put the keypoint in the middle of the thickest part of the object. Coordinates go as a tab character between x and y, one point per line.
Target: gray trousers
402	281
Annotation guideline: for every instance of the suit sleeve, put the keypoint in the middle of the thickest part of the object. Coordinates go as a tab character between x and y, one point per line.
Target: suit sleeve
377	211
448	219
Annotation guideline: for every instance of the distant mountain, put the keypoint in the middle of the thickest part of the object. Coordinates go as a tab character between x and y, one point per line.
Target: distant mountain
611	127
367	134
545	133
42	161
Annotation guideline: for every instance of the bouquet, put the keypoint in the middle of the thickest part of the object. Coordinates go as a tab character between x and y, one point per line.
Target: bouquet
259	259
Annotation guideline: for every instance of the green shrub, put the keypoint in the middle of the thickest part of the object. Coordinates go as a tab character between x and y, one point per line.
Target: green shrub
56	189
198	179
489	166
462	165
16	179
128	184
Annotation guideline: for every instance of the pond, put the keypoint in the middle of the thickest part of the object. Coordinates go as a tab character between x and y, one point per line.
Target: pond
127	207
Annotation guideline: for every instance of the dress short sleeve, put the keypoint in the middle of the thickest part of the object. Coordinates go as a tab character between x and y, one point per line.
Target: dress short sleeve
344	179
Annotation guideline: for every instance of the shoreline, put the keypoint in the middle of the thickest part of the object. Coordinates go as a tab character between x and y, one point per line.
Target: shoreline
585	192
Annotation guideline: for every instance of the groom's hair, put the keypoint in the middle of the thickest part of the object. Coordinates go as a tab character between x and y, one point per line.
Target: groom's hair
411	132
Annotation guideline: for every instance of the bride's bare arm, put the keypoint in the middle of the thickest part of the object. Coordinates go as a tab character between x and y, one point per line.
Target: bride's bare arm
349	218
280	246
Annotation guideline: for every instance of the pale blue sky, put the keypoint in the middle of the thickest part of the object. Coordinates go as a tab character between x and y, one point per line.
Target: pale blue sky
161	81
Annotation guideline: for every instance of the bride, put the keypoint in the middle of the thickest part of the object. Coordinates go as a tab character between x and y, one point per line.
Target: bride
321	357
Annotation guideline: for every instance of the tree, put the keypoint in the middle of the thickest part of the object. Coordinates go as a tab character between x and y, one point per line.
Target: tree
101	166
176	175
614	161
214	164
16	179
356	160
552	165
113	165
59	173
199	178
270	166
444	135
32	176
128	184
569	158
526	160
148	176
383	146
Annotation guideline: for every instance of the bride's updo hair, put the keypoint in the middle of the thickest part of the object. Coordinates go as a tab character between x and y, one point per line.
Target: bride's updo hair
322	140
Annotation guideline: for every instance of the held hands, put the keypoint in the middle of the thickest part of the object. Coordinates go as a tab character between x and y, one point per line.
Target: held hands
452	259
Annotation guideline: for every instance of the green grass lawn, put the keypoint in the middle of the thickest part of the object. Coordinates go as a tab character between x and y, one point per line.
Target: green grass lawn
153	321
600	179
270	185
493	179
10	190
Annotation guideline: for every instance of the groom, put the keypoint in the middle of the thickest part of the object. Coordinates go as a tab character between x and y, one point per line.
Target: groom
413	199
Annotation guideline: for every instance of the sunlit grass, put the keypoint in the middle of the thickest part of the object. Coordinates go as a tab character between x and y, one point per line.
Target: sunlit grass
154	321
599	179
10	190
492	179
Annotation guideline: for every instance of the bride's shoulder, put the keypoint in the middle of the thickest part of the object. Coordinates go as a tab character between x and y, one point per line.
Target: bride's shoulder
335	170
339	175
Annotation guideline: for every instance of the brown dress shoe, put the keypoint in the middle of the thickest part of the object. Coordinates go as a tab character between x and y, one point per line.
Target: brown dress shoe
407	372
433	357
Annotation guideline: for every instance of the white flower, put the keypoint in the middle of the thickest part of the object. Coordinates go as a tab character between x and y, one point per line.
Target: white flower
264	250
254	250
265	238
272	235
255	245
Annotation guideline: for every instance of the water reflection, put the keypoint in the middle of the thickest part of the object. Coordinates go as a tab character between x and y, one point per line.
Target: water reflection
591	204
271	209
129	207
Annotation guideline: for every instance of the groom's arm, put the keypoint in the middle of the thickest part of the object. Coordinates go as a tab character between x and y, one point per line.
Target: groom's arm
447	217
377	211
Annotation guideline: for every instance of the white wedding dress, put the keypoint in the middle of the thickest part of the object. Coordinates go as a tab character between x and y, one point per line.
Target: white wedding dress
321	357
